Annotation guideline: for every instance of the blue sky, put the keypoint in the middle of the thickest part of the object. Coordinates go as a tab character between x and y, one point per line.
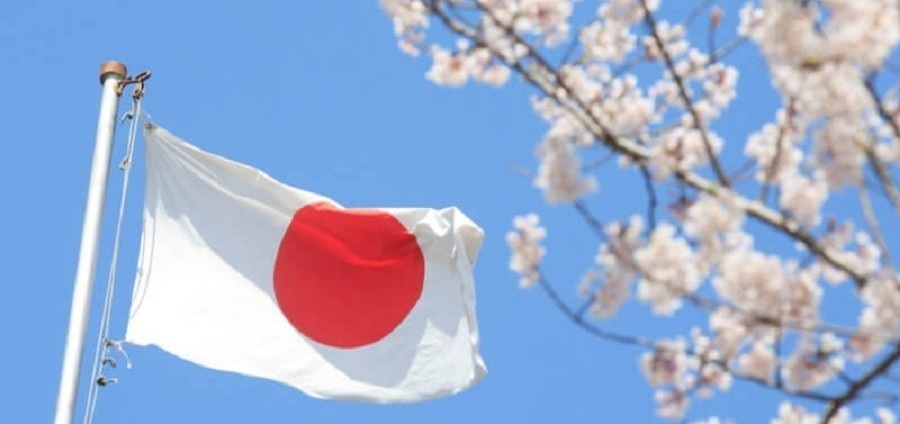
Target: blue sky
317	95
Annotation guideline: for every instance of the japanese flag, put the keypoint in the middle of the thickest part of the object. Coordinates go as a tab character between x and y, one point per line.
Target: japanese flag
241	273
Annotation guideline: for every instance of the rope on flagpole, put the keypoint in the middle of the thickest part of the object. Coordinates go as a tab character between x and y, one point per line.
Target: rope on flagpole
104	343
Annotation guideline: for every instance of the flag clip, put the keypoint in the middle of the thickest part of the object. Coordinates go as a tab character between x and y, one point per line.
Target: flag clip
138	81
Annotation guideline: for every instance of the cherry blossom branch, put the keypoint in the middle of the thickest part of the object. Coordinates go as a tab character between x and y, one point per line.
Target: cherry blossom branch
578	319
778	221
879	107
711	305
559	91
650	20
695	12
592	221
770	173
726	50
881	172
857	387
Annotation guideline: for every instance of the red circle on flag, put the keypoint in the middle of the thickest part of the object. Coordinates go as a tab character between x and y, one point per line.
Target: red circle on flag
347	277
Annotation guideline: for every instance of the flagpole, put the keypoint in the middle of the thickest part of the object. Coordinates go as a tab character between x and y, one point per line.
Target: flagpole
111	74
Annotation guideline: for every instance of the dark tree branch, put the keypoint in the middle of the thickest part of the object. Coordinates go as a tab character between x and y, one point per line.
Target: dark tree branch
651	197
779	140
857	387
881	170
695	12
682	90
591	220
629	340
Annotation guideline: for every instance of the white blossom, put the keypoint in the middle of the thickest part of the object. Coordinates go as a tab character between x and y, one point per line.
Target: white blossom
681	149
449	69
810	367
607	41
730	329
665	365
763	285
880	318
852	24
803	197
485	69
714	223
410	19
559	175
673	40
838	153
774	150
760	362
625	12
885	416
672	403
548	18
527	252
794	414
667	270
616	259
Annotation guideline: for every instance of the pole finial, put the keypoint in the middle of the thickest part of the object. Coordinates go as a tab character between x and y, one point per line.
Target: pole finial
112	68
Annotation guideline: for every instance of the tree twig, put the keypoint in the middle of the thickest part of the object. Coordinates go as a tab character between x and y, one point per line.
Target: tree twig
881	170
629	340
856	388
650	20
651	197
865	202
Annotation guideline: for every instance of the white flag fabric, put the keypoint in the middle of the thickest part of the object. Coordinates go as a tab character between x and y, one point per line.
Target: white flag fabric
241	273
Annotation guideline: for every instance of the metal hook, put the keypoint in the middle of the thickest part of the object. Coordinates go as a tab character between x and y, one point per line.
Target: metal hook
103	381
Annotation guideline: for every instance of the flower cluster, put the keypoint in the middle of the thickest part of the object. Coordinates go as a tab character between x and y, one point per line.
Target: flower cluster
525	243
455	69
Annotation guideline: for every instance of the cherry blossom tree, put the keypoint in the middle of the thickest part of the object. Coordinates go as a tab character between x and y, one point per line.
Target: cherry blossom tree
837	130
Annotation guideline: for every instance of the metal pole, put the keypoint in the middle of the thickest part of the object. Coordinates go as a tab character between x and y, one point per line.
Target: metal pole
111	73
